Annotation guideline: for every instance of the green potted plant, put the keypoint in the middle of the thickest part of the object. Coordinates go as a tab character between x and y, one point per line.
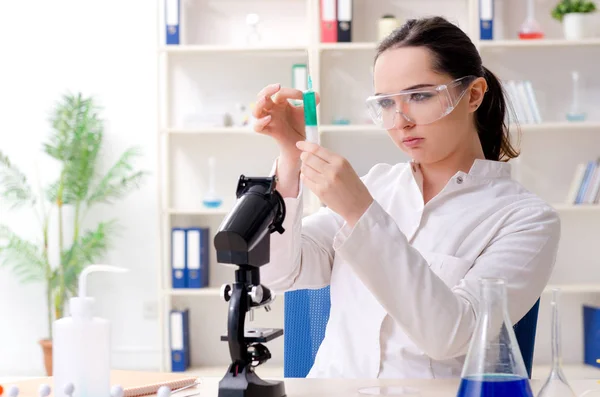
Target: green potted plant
576	17
75	143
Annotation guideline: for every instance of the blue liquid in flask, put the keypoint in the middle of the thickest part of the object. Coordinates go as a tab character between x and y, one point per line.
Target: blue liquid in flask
494	365
494	386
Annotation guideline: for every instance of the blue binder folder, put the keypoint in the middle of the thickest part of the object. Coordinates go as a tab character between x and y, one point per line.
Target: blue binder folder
197	257
178	258
180	340
486	19
172	21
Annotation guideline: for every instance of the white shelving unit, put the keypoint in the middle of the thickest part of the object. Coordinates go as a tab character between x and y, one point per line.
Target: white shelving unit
212	70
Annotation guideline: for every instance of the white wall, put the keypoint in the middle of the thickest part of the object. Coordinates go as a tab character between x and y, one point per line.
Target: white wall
104	48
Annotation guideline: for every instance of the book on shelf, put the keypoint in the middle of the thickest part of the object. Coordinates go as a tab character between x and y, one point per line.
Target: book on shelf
585	185
521	98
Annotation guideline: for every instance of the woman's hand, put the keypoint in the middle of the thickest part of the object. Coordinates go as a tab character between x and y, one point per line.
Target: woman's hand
279	119
334	181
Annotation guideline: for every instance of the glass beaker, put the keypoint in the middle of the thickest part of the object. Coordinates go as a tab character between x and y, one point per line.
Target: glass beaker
494	365
556	384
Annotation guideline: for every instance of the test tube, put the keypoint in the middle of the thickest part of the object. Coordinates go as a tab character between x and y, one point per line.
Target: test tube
310	114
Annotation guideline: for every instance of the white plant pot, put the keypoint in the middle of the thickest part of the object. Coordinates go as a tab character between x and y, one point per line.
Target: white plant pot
577	26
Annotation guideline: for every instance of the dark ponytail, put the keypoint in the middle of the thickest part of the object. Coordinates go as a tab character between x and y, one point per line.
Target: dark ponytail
490	121
455	54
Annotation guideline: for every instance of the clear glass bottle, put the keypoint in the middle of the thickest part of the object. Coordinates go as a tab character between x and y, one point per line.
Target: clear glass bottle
494	365
211	198
556	384
253	37
575	112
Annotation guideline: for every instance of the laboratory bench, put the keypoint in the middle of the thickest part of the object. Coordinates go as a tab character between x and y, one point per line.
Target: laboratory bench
299	387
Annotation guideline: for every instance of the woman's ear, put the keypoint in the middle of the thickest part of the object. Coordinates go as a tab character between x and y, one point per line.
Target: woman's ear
476	92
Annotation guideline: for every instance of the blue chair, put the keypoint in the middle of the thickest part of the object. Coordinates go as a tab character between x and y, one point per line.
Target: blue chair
306	313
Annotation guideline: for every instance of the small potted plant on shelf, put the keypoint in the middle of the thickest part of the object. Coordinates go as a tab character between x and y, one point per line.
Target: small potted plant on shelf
75	144
577	17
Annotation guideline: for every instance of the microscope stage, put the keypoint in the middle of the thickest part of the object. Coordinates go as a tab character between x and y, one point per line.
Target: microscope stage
258	335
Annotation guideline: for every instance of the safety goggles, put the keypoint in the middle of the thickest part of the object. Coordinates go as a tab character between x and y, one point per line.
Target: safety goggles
419	106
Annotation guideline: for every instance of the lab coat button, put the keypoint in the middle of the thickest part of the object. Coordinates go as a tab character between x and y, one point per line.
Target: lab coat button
459	179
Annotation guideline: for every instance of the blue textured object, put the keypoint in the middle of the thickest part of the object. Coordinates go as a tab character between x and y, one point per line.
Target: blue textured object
306	313
591	335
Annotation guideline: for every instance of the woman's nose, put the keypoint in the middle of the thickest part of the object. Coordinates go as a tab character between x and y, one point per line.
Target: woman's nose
401	121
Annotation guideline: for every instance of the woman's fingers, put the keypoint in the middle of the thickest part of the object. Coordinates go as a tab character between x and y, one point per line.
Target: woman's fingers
286	93
260	124
310	173
269	90
273	95
262	107
317	150
314	162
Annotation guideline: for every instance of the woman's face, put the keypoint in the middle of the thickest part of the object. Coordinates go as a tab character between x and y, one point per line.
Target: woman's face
404	68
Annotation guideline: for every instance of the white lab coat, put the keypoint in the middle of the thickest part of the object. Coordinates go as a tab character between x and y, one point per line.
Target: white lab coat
404	280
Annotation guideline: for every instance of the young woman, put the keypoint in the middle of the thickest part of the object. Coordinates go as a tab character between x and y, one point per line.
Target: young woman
403	248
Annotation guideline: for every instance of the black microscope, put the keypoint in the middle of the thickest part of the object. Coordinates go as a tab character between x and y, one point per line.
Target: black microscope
243	239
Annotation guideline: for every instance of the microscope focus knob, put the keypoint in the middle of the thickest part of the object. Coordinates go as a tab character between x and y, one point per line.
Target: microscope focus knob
226	292
256	294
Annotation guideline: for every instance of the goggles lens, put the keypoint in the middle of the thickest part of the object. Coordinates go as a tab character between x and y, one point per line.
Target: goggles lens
419	106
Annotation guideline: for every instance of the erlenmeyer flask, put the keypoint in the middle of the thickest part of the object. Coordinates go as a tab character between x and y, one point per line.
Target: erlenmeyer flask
556	384
530	28
494	365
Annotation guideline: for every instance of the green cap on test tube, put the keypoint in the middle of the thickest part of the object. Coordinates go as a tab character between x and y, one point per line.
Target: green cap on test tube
310	105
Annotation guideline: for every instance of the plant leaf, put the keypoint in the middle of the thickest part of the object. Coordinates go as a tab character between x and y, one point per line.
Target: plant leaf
25	259
90	247
76	142
14	187
119	180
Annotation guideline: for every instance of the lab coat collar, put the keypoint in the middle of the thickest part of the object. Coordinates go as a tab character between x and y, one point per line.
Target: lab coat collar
481	168
490	169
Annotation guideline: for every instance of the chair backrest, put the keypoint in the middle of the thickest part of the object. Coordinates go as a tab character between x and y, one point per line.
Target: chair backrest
525	330
306	313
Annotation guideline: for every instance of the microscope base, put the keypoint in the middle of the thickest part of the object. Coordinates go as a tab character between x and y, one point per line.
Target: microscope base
247	384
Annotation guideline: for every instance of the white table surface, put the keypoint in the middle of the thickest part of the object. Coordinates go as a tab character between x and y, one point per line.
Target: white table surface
306	387
346	387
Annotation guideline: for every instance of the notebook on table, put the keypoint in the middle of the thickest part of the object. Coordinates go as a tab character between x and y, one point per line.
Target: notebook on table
134	383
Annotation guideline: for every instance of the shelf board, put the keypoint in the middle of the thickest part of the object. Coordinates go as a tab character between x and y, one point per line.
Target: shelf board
348	46
550	126
209	48
560	125
350	128
570	370
573	288
211	130
200	211
193	291
371	128
576	207
483	44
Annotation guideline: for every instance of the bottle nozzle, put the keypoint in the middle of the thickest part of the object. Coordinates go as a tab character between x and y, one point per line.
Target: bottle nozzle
309	82
95	268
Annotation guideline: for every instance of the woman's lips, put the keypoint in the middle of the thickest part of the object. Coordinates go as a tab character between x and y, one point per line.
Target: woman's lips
412	142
